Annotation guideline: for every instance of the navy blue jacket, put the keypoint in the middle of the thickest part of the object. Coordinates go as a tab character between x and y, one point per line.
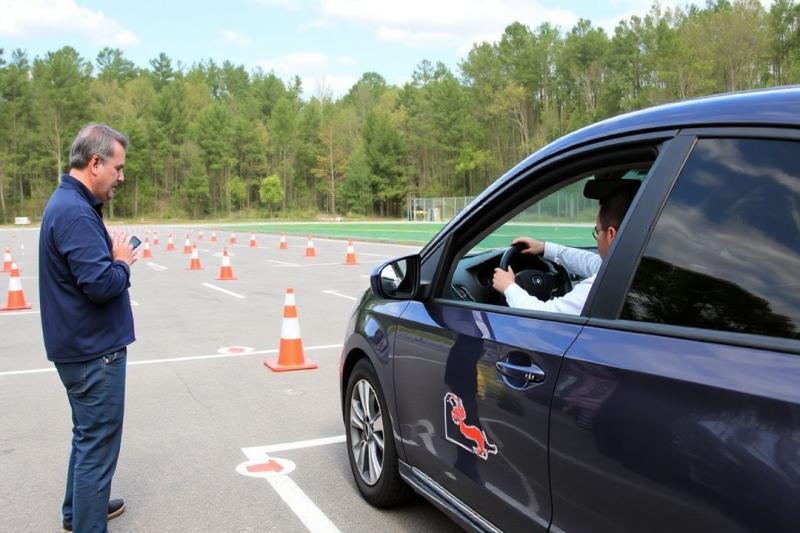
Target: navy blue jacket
83	292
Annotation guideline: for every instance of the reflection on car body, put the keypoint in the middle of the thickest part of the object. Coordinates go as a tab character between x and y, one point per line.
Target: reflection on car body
669	404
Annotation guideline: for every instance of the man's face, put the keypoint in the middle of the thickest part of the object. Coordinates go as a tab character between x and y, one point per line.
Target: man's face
108	173
604	237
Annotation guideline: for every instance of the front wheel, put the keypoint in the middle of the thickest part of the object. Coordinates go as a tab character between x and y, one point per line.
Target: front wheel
370	440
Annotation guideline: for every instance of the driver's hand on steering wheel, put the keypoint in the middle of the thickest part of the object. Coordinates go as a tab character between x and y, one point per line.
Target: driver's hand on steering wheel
532	246
502	279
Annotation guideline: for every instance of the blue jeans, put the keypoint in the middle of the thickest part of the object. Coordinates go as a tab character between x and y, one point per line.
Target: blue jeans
96	392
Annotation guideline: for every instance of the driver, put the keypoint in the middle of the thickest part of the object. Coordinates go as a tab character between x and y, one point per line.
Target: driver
579	262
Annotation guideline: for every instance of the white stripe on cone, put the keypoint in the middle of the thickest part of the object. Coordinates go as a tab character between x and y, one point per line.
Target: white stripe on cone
14	284
290	329
289	300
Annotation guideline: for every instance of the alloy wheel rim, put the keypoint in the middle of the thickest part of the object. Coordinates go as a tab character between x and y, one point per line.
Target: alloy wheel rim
366	432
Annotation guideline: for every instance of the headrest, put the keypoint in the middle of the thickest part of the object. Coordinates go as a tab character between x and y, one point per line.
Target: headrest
600	189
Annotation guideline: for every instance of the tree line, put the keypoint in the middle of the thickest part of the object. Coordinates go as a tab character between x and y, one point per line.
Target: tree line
215	140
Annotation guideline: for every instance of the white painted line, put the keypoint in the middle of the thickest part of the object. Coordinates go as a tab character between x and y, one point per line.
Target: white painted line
365	276
223	356
339	294
322	264
303	507
29	277
179	359
220	289
203	250
375	255
16	313
15	229
296	445
355	241
156	266
134	303
282	263
309	514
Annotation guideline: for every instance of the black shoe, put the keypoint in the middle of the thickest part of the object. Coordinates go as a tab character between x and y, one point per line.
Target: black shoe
115	508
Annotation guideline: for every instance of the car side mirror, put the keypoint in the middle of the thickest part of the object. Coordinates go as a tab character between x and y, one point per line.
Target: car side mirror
397	279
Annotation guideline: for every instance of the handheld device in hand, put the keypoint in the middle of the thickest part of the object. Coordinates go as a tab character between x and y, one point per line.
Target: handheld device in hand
135	242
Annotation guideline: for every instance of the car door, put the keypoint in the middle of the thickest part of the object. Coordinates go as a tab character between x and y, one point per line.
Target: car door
474	383
480	435
678	406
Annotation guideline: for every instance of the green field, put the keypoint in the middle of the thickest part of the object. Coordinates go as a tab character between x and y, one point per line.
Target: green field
418	232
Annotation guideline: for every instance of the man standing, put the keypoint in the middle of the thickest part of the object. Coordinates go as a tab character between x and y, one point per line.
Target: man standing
87	323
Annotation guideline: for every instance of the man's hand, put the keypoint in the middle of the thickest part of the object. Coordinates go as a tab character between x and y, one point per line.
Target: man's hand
502	279
532	246
122	250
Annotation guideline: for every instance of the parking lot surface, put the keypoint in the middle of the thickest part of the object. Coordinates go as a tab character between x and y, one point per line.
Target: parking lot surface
201	407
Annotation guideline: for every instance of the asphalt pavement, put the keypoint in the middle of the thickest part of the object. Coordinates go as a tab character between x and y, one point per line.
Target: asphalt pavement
203	414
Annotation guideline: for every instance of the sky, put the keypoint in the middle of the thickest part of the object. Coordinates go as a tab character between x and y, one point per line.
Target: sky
328	43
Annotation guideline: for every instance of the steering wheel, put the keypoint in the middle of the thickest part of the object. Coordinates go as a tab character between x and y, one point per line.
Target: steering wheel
549	281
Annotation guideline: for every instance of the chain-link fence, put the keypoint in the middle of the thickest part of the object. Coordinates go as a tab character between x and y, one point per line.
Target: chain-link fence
436	209
567	205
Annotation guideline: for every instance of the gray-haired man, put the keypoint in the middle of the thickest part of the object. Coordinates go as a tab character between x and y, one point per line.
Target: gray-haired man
87	323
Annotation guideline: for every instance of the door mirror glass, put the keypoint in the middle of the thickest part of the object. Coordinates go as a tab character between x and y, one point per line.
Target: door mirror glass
397	279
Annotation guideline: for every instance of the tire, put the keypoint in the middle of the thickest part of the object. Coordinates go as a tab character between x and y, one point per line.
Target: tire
375	467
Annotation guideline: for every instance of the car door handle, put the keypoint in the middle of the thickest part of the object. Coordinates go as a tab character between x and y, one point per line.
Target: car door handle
532	373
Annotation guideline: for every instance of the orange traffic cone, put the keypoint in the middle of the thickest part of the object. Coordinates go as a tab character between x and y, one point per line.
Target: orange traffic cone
290	354
225	271
155	238
310	250
200	235
284	245
195	262
253	243
350	257
16	298
233	238
146	253
187	245
170	244
213	236
7	260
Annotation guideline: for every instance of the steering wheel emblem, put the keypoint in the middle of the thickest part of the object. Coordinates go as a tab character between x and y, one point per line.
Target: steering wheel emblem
537	280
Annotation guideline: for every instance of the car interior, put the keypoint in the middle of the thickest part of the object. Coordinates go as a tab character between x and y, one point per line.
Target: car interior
564	214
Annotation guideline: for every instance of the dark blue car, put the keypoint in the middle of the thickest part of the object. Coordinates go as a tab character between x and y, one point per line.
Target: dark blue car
669	402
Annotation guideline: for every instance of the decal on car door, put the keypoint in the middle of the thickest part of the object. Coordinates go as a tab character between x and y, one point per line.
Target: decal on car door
458	432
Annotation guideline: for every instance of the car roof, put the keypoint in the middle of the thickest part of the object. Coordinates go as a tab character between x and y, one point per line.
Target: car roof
763	107
776	107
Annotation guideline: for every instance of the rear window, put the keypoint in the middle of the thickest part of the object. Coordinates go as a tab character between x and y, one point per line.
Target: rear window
725	252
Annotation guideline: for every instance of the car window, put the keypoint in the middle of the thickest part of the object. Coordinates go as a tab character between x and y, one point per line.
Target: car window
562	215
725	252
